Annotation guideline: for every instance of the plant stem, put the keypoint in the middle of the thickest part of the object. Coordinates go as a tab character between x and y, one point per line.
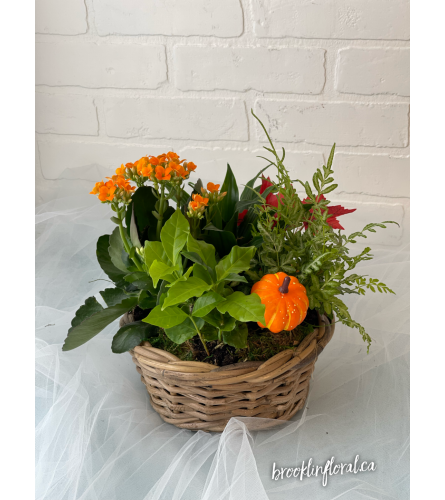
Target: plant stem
160	212
200	336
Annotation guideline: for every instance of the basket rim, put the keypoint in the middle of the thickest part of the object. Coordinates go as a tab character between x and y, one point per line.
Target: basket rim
300	356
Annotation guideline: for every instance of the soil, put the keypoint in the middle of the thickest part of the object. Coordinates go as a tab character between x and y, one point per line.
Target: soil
262	344
220	354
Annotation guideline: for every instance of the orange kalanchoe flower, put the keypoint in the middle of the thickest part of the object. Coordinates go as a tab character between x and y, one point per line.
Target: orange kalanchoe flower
121	182
163	174
121	170
198	201
191	166
213	188
172	156
197	206
179	169
147	171
105	191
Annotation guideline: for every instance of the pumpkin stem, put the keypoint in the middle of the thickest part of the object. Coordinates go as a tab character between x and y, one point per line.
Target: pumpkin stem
284	288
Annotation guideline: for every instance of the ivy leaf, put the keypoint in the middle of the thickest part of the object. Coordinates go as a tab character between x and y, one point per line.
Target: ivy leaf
206	303
160	270
93	320
237	261
174	235
205	251
184	331
131	335
243	307
184	290
167	318
115	250
237	337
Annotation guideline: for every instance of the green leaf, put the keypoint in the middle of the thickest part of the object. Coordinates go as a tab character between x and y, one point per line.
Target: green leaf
131	335
237	261
103	257
237	337
184	290
223	322
167	318
96	322
235	277
209	332
184	277
330	188
160	270
154	250
205	251
113	296
90	307
247	193
184	331
162	293
223	241
243	307
228	204
141	280
143	200
206	303
331	157
232	225
174	235
115	250
147	301
134	237
202	273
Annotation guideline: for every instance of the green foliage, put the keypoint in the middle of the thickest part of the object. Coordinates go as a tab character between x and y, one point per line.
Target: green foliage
174	235
228	204
92	318
131	335
298	240
194	272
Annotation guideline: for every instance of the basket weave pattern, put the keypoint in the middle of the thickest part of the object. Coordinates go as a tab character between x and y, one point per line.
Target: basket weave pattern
200	396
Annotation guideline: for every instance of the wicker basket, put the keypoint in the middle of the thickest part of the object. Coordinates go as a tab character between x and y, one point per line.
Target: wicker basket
199	396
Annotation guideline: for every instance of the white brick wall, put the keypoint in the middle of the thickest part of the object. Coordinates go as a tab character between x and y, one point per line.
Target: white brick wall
117	80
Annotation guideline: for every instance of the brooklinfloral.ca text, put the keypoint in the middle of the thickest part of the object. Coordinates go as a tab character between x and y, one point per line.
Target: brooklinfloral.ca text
329	469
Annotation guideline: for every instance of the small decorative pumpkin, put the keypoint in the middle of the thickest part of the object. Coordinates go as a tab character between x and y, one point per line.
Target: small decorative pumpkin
285	300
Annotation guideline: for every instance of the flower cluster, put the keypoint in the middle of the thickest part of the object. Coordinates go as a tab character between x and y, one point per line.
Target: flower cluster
210	196
165	167
116	189
197	206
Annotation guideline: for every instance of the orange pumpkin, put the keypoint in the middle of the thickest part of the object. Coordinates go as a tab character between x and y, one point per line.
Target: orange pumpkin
285	300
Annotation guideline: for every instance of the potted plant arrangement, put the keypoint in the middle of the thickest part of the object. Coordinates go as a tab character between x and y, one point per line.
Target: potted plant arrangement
226	299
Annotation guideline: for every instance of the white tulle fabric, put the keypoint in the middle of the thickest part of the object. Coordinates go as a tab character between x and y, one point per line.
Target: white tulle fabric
99	439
